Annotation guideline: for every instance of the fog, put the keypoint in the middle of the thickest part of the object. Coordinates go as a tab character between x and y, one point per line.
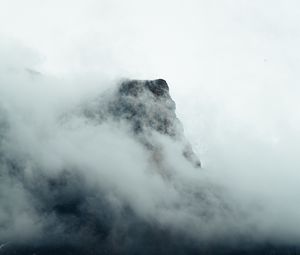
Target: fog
232	71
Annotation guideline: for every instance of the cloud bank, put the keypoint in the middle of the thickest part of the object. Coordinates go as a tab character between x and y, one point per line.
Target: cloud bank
233	77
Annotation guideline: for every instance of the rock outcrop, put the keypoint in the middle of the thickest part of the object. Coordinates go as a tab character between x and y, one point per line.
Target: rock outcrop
147	107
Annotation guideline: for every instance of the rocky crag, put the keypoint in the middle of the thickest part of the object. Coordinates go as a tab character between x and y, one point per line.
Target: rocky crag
147	107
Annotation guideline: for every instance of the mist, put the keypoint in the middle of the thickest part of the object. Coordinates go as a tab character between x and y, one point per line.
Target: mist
232	72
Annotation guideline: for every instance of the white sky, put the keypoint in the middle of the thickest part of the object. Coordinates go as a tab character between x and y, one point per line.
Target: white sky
237	59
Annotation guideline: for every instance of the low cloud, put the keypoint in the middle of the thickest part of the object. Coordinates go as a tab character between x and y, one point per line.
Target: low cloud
64	177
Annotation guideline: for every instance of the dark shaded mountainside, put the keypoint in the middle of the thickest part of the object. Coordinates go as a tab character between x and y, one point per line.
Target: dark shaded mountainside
89	222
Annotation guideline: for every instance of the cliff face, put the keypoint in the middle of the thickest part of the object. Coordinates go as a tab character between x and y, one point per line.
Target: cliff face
147	107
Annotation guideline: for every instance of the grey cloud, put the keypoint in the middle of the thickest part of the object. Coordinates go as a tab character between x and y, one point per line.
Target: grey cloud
66	175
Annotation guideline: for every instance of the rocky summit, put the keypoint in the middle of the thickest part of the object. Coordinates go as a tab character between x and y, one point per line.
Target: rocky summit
147	107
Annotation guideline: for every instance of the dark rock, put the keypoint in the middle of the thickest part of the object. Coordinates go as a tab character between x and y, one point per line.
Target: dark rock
147	107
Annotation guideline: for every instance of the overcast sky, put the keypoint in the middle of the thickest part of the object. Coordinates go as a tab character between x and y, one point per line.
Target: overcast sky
228	50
